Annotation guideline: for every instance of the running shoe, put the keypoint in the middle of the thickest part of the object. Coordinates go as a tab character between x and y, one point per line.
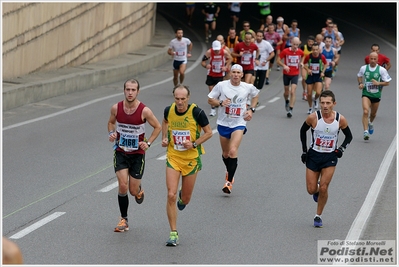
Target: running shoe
206	40
210	34
316	197
278	68
371	128
213	112
180	204
287	106
122	226
267	81
227	187
316	104
304	96
366	135
310	111
173	240
289	114
318	223
140	196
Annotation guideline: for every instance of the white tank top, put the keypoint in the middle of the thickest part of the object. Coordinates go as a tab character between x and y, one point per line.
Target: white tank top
325	135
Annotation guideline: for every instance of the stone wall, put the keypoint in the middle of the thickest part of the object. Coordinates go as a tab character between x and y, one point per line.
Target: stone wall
47	36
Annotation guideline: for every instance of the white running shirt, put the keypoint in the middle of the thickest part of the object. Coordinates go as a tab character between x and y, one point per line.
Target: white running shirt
233	115
180	48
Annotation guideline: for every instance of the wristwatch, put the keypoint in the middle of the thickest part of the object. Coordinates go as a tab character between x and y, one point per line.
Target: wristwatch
195	145
253	110
148	144
221	103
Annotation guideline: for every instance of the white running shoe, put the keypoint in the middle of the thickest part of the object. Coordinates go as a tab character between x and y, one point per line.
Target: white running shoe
316	104
213	112
310	111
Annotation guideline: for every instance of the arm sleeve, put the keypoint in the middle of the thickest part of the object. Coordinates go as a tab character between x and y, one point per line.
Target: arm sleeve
165	113
303	131
348	137
200	117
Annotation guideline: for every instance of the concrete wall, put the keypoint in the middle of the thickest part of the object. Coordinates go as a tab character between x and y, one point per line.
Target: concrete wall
46	36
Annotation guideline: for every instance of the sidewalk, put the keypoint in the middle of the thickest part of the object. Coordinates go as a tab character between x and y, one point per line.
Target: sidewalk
40	86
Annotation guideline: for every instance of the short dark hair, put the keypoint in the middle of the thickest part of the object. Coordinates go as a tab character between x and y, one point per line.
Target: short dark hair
375	45
327	93
311	37
178	29
132	81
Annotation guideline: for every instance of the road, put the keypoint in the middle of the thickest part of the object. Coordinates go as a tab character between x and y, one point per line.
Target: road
59	169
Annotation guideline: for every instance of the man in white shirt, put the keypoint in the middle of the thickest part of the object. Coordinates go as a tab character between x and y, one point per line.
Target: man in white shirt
178	50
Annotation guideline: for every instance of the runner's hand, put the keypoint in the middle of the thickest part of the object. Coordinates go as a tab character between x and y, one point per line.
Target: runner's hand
304	156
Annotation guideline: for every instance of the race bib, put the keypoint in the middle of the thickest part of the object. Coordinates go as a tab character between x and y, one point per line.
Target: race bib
233	110
371	88
324	144
293	61
181	53
179	137
129	142
246	58
216	66
315	67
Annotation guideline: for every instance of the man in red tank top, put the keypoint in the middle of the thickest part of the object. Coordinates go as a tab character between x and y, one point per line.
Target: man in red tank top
126	128
244	53
219	63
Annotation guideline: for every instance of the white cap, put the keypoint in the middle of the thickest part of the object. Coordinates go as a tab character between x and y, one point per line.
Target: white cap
236	67
280	19
216	45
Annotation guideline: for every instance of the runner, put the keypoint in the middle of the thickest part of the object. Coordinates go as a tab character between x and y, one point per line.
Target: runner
178	50
181	128
322	156
307	49
220	61
315	65
244	53
275	40
211	12
231	96
292	57
331	55
375	77
266	53
126	129
383	60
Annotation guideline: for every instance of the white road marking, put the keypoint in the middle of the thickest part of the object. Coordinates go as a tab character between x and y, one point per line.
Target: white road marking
360	222
37	225
273	99
108	188
162	157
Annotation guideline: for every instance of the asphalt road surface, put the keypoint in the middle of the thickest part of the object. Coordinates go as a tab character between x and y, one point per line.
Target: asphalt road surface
59	194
